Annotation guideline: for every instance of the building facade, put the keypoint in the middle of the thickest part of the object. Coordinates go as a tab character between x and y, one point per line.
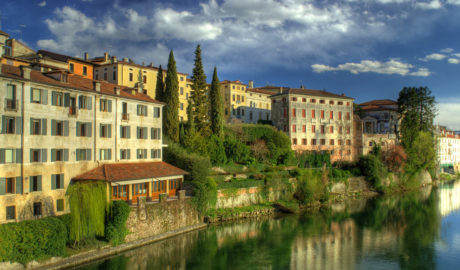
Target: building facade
315	120
235	101
259	105
58	125
448	149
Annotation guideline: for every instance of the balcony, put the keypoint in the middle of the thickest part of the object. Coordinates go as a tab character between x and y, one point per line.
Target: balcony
11	104
73	111
125	117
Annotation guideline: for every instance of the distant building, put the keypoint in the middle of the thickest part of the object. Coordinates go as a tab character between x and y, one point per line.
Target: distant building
259	105
315	120
448	148
58	127
235	101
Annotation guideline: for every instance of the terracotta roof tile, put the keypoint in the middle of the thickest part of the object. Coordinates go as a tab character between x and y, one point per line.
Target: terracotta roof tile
310	92
261	91
76	82
130	171
380	102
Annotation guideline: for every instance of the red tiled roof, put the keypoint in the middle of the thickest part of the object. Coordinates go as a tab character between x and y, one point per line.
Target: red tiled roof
134	65
131	171
61	57
4	33
261	91
75	82
310	92
237	82
380	102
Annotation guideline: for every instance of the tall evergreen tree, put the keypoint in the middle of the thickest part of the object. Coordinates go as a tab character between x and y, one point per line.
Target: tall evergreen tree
217	108
171	97
159	89
199	95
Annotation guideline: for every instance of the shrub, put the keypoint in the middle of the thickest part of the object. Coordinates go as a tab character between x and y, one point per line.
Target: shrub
309	186
237	151
33	239
373	169
313	159
205	196
260	151
115	229
338	175
394	158
197	166
216	151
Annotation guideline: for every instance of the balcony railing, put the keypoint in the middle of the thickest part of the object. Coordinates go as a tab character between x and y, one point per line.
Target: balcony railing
11	104
125	116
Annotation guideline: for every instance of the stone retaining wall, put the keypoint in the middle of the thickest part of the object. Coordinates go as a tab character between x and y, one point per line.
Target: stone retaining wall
245	197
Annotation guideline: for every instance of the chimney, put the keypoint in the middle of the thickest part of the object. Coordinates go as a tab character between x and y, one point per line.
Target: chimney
116	90
302	86
114	59
25	72
97	86
251	84
106	56
86	56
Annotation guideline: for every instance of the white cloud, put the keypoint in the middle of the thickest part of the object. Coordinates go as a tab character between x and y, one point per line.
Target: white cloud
433	56
447	50
453	2
447	109
434	4
42	4
392	66
453	61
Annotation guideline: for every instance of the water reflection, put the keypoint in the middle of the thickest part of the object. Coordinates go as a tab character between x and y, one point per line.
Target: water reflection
398	232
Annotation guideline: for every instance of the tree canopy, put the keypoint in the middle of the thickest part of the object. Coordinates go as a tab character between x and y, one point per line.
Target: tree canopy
199	96
217	109
171	97
159	89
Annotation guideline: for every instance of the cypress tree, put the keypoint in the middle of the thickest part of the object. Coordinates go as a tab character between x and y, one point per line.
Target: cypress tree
198	95
171	97
217	121
159	89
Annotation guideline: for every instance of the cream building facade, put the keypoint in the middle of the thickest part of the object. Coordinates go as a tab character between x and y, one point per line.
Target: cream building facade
235	101
259	105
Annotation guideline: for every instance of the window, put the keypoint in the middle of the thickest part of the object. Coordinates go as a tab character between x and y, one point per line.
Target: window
35	155
331	141
304	141
294	99
141	153
11	102
155	153
313	114
105	154
304	100
331	115
303	113
57	98
141	110
36	96
141	132
10	155
348	130
57	181
322	101
59	155
105	131
293	112
294	141
10	212
59	205
85	102
125	132
348	142
331	102
35	126
348	103
35	183
71	67
59	128
322	114
323	141
312	100
105	75
10	125
114	75
181	105
339	102
84	129
323	129
313	128
233	97
37	209
156	112
348	116
105	105
130	77
331	129
83	154
125	153
85	71
340	116
313	141
339	142
96	75
181	78
294	128
155	133
10	185
304	128
182	90
340	130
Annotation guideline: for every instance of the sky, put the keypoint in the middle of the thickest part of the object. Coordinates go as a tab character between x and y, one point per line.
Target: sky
366	49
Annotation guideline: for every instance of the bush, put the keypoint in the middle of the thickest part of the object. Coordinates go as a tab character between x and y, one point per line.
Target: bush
260	151
310	187
216	151
338	175
313	159
197	166
115	228
394	158
33	239
205	196
373	169
237	151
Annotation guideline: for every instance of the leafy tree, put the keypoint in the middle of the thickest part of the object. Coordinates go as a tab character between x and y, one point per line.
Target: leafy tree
416	108
198	95
171	97
159	89
217	109
422	154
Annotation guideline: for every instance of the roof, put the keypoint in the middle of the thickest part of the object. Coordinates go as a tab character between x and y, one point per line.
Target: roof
61	57
380	102
131	64
237	82
309	92
260	91
4	33
379	105
75	82
131	171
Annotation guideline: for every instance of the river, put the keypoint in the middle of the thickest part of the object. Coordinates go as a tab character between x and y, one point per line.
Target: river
419	230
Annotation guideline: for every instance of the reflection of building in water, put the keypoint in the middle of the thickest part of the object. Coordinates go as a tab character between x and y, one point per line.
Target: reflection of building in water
334	250
449	198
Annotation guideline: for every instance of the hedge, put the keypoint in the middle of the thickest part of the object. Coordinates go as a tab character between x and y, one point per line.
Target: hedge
32	239
197	166
115	224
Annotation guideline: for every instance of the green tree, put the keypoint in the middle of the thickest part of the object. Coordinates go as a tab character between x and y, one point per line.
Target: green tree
171	97
217	108
416	108
159	89
421	153
199	95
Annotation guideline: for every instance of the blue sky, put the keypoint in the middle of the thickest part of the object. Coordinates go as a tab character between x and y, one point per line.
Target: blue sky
367	49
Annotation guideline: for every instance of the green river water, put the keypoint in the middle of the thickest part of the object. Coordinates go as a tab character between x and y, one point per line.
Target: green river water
419	230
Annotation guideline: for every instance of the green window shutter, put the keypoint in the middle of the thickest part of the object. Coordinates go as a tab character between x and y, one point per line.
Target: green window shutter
31	184
90	102
151	153
145	153
61	181
66	128
89	127
2	186
78	129
100	130
77	155
66	154
110	154
2	155
66	99
3	124
18	155
53	181
146	135
18	125
31	155
53	98
31	126
138	111
129	153
138	132
53	127
151	133
44	127
120	153
53	155
18	185
39	180
159	133
128	128
110	130
44	155
100	105
44	97
88	154
31	94
109	102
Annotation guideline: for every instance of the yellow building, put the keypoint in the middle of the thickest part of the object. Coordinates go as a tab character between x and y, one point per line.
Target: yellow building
127	73
234	95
